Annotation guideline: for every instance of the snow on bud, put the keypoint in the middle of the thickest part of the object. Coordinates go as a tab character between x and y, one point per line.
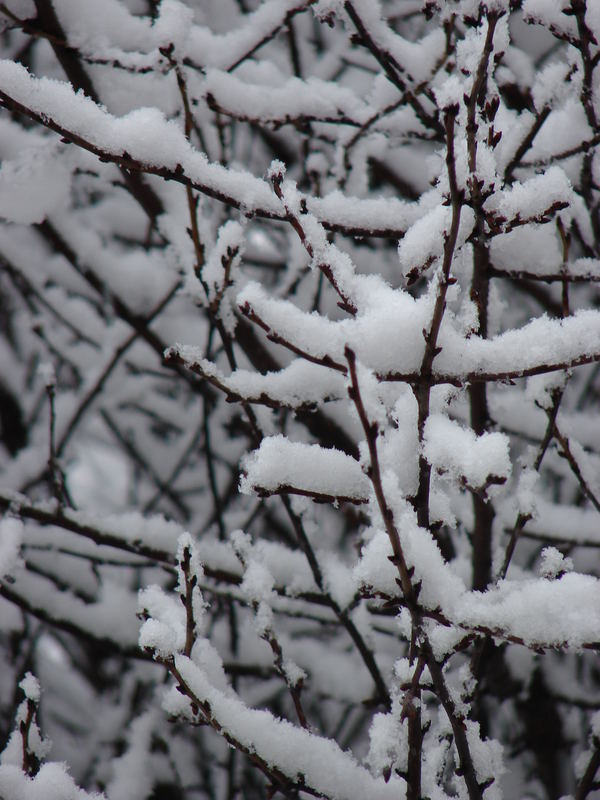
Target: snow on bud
163	631
450	93
533	199
339	580
551	87
294	675
173	25
219	271
467	688
186	553
263	620
541	389
526	497
317	164
258	583
551	16
310	468
457	451
189	571
423	242
26	738
388	744
374	569
326	10
554	564
403	671
487	760
241	543
31	688
468	51
47	373
276	171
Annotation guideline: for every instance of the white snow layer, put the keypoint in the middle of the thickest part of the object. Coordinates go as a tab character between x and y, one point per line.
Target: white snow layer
387	336
292	750
147	136
450	448
310	468
52	782
540	612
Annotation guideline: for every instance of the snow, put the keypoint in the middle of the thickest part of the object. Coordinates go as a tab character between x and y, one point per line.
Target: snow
534	248
145	135
52	782
487	759
110	616
541	613
258	582
173	25
592	19
525	494
531	199
11	537
339	580
425	239
292	750
77	323
550	87
294	675
164	631
31	687
310	468
224	50
290	569
452	449
292	100
293	386
388	743
393	315
374	568
553	563
389	313
550	15
417	59
132	528
558	613
37	745
540	342
132	777
47	373
89	25
230	240
568	127
34	183
560	524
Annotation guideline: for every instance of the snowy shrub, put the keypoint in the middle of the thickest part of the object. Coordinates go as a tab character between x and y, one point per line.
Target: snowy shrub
299	399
